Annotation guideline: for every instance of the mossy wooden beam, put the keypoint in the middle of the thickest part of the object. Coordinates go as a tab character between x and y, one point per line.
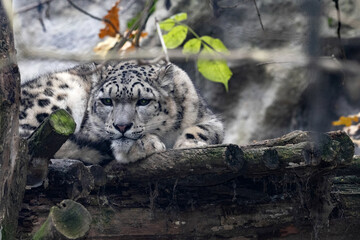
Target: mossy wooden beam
325	144
179	163
68	220
299	150
45	141
304	152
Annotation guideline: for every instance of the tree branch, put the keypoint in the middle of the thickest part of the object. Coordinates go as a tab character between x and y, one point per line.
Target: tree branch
144	17
259	16
95	17
31	6
167	59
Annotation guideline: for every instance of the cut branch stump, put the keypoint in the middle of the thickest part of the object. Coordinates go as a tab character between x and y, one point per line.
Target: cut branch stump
69	220
45	141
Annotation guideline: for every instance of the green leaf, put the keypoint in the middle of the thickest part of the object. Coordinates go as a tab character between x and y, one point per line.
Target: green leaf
179	17
214	70
167	24
192	46
215	43
175	37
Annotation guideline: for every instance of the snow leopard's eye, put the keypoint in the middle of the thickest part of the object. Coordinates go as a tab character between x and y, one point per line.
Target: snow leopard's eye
143	102
106	101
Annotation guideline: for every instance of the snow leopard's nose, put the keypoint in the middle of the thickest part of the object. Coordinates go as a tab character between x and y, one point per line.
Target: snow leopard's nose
123	127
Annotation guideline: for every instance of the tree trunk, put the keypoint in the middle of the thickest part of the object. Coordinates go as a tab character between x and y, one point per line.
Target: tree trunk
13	151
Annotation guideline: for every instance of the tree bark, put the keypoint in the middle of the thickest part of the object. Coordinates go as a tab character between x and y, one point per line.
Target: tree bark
13	152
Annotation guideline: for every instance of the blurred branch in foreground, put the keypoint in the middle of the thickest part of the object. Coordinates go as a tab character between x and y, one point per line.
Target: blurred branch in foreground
235	56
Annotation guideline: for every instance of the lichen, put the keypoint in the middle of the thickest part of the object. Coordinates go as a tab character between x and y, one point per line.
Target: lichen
62	122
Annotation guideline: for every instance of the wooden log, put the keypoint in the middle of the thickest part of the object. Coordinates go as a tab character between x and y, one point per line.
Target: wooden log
99	175
215	164
69	220
296	150
346	189
179	163
259	191
45	141
69	179
326	144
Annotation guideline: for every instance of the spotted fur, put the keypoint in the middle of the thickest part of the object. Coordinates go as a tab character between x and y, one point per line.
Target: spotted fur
123	111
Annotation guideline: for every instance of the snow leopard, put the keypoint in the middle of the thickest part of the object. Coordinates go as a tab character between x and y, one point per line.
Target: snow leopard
123	110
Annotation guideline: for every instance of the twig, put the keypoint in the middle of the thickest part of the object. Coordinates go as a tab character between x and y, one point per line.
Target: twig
272	62
258	13
153	195
31	6
144	17
167	59
113	51
338	16
40	18
95	17
138	24
339	27
227	7
174	189
234	188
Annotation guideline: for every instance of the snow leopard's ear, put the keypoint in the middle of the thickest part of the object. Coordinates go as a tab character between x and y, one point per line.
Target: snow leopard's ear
83	69
166	78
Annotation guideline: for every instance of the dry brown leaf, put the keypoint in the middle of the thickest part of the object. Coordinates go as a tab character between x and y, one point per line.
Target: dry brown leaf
113	17
102	48
347	121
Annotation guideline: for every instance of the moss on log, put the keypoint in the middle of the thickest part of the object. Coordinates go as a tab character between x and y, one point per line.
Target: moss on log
47	139
213	164
69	220
298	150
179	163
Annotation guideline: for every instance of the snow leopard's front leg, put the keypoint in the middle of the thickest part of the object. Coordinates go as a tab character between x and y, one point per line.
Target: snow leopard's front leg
139	149
201	134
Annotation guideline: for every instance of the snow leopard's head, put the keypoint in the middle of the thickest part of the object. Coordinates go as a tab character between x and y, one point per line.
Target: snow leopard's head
132	100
